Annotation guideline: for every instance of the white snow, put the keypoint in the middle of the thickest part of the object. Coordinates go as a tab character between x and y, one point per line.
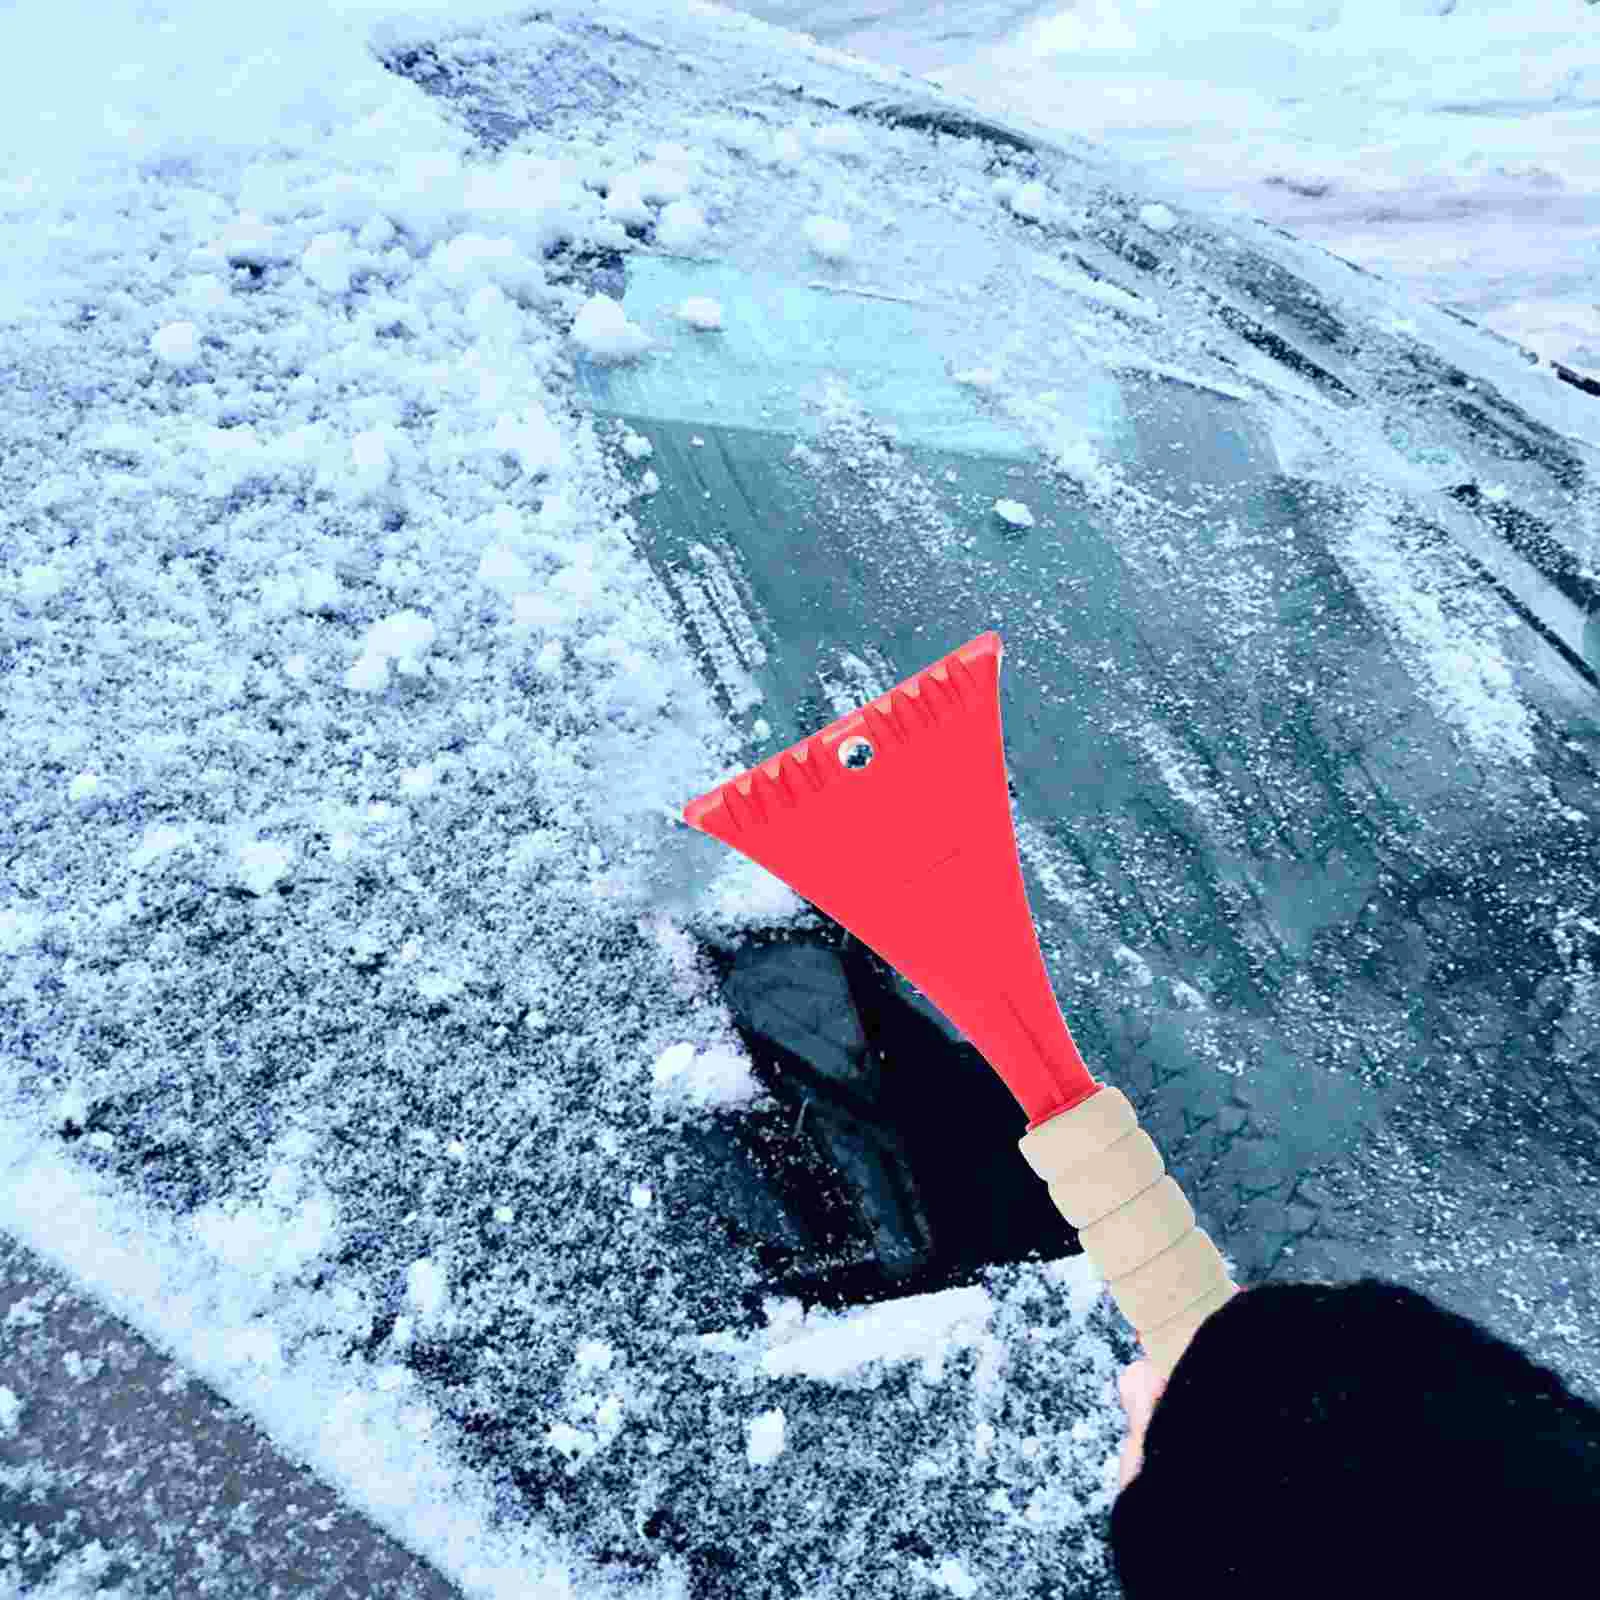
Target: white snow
701	311
766	1438
10	1412
952	1576
328	263
717	1076
828	236
427	1290
176	343
263	863
925	1327
603	330
1030	200
681	227
402	639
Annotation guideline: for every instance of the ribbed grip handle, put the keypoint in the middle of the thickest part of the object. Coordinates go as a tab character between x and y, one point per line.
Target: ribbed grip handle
1108	1180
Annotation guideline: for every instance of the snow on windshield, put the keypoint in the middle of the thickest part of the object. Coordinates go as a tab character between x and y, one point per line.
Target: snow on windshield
351	1025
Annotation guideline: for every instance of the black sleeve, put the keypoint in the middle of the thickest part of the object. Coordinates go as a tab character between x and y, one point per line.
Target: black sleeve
1358	1440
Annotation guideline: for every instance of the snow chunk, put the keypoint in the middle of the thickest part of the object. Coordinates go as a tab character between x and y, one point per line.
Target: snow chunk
84	787
641	1196
1013	513
682	226
121	438
270	1241
624	202
636	447
924	1326
327	262
19	927
262	863
664	181
40	582
594	1355
475	260
500	564
715	1077
829	237
840	139
369	453
369	675
1157	218
159	839
766	1438
249	242
531	437
701	312
177	344
405	637
427	1290
953	1577
603	330
10	1412
1031	201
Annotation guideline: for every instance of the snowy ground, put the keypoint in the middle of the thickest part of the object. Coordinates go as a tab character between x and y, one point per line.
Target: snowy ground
1451	145
345	1028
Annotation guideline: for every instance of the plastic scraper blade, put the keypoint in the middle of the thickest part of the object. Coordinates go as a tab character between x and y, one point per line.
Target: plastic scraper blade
895	821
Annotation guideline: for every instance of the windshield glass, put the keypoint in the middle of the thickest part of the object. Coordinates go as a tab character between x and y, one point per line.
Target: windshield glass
1263	733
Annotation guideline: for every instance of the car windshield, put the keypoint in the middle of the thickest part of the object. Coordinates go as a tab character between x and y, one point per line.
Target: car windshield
1240	772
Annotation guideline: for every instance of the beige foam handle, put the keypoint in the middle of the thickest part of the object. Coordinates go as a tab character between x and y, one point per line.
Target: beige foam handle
1108	1180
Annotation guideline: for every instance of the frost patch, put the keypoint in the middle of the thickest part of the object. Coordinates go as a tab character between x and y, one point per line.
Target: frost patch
1450	652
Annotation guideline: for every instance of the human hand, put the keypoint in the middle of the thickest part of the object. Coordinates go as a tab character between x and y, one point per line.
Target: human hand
1140	1386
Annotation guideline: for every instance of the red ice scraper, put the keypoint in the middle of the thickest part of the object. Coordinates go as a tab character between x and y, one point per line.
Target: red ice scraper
895	821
